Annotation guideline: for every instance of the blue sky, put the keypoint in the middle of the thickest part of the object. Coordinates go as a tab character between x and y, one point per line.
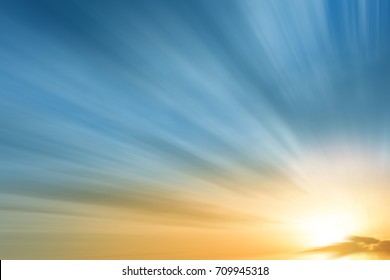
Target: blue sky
101	98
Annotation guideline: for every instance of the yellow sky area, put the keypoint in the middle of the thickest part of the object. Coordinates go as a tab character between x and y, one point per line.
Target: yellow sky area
320	200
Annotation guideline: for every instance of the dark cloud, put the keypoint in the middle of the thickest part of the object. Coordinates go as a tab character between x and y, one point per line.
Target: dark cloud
368	247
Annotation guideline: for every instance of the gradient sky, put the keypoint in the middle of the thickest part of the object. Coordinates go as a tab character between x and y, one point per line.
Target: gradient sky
192	129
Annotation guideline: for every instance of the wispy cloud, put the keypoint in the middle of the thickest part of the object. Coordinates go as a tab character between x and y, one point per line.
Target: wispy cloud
356	245
195	114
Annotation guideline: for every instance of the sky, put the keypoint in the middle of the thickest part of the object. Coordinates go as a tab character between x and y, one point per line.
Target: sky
194	129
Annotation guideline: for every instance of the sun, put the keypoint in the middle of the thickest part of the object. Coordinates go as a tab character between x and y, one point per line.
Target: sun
328	228
327	231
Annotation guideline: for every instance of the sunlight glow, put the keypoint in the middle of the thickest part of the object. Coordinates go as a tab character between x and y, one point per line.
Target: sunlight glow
329	228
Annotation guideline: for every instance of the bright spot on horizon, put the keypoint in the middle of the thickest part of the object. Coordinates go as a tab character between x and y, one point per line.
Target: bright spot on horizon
329	228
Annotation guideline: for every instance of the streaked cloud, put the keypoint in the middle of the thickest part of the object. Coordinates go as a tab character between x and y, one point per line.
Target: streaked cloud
236	119
371	247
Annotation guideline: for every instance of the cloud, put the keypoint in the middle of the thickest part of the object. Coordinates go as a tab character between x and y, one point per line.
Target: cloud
153	204
356	245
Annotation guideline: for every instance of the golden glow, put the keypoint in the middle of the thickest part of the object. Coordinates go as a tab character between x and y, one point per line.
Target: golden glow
328	228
